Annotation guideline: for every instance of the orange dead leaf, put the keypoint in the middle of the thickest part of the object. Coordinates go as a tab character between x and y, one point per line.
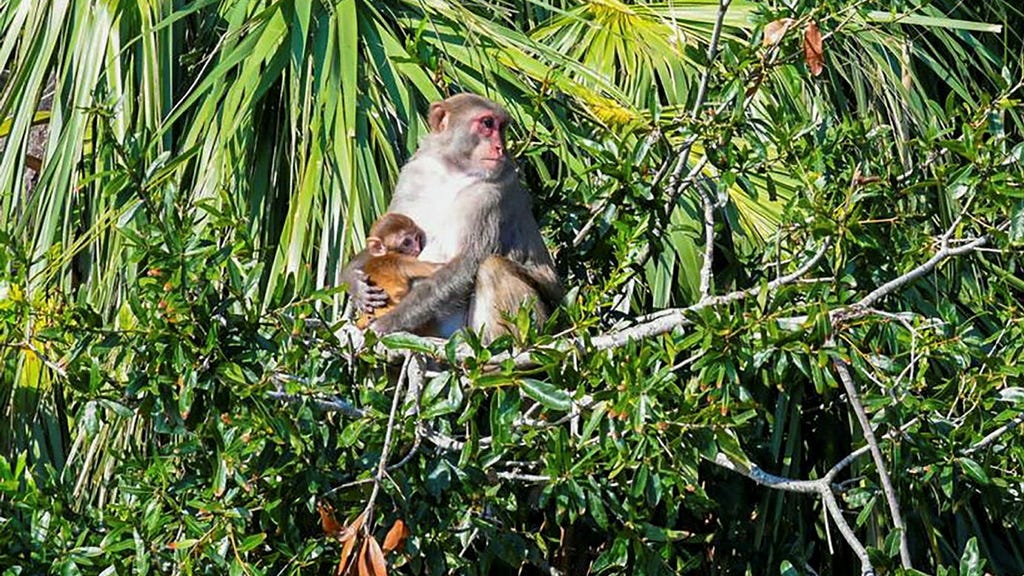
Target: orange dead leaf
774	31
346	551
327	519
813	49
333	528
347	535
350	531
371	559
396	536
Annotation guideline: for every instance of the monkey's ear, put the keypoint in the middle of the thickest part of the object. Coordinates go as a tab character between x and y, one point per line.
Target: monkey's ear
375	246
438	117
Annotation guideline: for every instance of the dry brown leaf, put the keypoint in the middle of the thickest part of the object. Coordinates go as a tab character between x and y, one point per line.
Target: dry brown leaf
327	519
813	49
371	559
396	536
362	561
774	31
346	551
376	557
350	531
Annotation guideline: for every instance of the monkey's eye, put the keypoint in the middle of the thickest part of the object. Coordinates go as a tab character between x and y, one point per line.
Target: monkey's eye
488	122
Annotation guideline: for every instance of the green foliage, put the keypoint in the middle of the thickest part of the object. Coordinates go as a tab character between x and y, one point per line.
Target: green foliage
178	387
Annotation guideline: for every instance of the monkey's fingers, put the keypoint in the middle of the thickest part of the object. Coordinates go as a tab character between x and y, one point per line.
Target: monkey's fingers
367	297
374	297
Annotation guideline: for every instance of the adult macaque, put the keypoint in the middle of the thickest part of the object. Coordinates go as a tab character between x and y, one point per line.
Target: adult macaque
462	189
390	262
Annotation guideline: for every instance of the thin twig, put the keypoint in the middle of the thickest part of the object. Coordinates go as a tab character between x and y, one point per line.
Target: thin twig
668	320
327	404
829	499
995	434
876	454
383	462
30	347
706	273
860	308
675	185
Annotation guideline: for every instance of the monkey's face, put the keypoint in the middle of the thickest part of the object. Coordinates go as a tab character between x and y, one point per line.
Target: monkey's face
489	154
474	141
408	242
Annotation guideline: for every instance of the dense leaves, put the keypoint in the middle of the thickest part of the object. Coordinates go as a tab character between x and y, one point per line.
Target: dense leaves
829	195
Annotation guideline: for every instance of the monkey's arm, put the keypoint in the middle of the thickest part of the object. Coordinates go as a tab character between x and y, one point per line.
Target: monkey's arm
535	266
418	269
451	285
546	281
366	297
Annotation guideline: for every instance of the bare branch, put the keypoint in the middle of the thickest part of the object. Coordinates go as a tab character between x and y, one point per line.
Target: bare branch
876	455
755	473
675	184
995	434
533	478
859	308
383	462
842	464
829	499
716	36
821	487
32	348
327	404
668	320
706	274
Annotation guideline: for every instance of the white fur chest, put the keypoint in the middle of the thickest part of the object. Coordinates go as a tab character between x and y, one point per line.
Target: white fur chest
435	199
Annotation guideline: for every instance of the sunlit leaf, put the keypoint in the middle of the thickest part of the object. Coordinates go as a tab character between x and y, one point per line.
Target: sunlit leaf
974	470
971	562
547	394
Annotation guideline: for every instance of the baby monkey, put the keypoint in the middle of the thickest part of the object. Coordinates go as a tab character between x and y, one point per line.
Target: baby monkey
392	247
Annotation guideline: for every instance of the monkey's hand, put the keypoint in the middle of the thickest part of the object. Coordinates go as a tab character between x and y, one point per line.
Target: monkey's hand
383	325
365	296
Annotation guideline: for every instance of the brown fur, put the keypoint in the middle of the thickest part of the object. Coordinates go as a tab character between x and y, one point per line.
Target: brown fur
462	189
393	244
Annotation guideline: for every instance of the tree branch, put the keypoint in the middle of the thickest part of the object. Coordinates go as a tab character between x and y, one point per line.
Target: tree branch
675	185
821	487
995	434
706	273
860	308
876	455
665	321
382	463
647	326
327	404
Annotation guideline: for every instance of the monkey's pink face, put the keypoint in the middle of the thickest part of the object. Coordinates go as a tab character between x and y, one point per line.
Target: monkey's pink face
409	243
489	154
